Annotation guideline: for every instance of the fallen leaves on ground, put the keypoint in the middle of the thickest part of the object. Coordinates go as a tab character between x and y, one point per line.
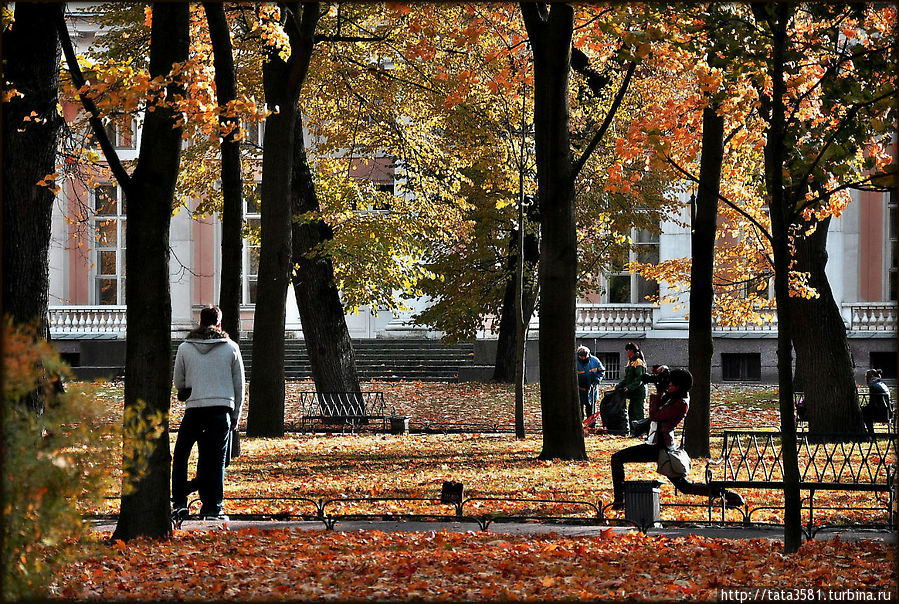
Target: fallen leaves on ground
272	474
476	403
291	564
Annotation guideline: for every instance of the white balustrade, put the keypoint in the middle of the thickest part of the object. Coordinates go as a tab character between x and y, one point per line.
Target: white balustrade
598	318
871	316
87	320
769	324
590	318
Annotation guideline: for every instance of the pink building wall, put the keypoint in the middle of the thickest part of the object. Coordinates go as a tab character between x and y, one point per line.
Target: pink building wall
78	244
204	253
870	253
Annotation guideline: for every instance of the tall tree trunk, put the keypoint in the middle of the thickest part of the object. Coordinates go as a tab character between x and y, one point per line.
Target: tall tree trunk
823	358
328	343
145	509
282	82
507	339
232	181
550	31
782	210
702	292
31	57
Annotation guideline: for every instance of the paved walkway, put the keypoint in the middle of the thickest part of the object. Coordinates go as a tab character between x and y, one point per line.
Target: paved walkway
525	528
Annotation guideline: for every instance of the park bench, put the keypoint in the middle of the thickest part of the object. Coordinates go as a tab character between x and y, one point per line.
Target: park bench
349	410
801	421
837	462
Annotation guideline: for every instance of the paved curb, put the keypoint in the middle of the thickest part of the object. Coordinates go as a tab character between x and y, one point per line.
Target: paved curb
521	528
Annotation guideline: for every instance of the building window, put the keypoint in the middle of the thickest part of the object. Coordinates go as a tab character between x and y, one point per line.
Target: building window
741	367
891	250
121	133
380	203
251	247
761	287
612	362
108	229
625	287
254	133
886	362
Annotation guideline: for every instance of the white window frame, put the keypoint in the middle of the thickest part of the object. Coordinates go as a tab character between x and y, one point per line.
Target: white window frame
248	247
102	249
634	296
253	134
117	135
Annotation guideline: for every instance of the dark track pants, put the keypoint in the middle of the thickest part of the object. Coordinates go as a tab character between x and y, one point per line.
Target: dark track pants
209	428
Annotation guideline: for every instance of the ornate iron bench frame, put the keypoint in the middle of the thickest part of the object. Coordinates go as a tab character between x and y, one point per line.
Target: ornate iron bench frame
754	460
346	409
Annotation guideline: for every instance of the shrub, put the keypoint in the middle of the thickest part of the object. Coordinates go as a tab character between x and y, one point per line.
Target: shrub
53	463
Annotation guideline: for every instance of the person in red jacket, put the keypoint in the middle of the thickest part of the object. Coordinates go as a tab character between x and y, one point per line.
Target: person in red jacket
666	410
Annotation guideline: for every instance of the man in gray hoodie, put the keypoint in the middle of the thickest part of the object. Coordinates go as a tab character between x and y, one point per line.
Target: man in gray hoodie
209	363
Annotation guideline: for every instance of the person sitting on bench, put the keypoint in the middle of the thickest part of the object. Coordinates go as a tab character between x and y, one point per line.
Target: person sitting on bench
665	413
878	407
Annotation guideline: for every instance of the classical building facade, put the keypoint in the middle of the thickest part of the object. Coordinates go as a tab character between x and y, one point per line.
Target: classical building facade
87	260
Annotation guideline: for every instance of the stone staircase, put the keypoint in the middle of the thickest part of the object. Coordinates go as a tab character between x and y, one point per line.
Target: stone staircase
386	360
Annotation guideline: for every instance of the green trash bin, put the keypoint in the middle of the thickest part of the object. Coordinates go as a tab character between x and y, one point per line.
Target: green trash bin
641	503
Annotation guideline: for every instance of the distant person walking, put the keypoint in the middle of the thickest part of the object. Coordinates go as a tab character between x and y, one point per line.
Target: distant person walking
878	407
208	362
590	372
633	385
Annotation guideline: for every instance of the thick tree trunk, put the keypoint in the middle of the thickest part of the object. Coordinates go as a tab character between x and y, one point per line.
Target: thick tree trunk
145	509
31	57
328	343
550	31
782	210
266	412
702	293
282	83
822	349
507	339
232	181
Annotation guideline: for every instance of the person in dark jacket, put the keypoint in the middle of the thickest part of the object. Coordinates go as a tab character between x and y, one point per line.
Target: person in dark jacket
878	407
209	363
632	383
665	412
590	372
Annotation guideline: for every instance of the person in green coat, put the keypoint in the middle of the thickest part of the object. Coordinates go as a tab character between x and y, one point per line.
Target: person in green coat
632	384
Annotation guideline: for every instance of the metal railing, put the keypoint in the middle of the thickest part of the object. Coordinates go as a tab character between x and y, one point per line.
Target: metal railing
491	509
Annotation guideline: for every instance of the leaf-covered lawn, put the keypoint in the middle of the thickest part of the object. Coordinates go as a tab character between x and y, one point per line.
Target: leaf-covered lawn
438	403
299	565
271	472
257	564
